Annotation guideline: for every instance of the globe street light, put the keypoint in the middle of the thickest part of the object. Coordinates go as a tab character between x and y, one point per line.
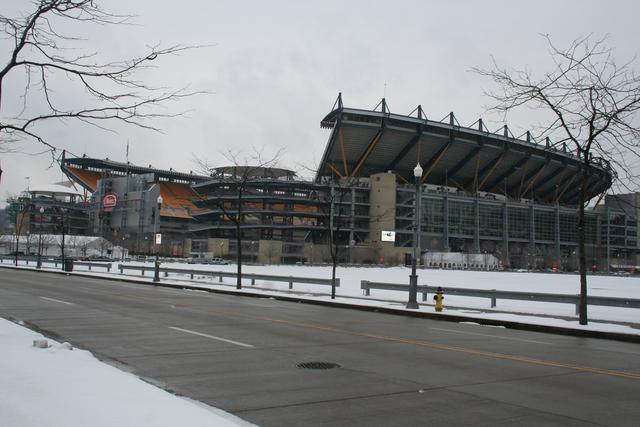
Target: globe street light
39	264
413	278
158	241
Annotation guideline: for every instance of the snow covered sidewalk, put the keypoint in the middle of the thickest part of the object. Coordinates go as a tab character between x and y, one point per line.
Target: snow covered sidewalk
63	386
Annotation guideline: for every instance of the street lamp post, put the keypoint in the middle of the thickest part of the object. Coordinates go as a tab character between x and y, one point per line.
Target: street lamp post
62	211
158	241
413	278
39	263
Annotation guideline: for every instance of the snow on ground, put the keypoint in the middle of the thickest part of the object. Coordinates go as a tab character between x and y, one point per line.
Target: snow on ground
58	386
523	311
64	386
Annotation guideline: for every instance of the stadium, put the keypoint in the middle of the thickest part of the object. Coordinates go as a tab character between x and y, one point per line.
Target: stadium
487	199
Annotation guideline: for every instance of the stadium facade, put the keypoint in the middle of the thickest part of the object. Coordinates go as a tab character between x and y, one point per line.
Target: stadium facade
484	193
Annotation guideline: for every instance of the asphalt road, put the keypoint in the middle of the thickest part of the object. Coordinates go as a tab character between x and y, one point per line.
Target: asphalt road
241	354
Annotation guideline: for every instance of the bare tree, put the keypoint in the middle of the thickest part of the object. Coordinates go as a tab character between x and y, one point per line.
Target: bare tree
47	58
238	177
104	244
48	240
19	216
593	103
335	219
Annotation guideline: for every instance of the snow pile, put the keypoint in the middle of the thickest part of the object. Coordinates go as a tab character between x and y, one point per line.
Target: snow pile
63	386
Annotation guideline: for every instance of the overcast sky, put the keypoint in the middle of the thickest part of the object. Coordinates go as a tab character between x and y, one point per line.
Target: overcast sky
274	69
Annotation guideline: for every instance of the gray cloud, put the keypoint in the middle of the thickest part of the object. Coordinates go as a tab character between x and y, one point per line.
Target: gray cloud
275	68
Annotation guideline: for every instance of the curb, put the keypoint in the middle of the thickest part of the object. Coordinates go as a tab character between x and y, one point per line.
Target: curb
557	330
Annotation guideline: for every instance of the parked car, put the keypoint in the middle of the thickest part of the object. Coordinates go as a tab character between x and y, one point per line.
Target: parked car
218	261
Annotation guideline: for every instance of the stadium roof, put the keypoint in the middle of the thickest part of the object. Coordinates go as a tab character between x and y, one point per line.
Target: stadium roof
95	167
365	142
175	187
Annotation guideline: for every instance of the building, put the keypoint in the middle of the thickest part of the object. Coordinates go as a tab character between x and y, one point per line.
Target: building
124	203
491	196
64	209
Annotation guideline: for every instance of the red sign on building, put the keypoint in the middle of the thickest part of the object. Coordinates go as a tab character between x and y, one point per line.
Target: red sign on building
109	201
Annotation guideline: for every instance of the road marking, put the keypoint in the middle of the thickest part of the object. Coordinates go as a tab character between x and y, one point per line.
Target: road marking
445	347
490	336
420	343
57	300
241	344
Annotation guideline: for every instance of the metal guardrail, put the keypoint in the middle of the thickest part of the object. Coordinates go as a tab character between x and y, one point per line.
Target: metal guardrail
494	295
57	262
220	274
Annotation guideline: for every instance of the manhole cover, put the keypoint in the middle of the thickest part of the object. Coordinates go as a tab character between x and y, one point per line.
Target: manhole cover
317	365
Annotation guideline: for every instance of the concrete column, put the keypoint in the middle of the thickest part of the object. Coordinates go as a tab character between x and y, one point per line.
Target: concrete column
382	209
218	247
270	252
186	248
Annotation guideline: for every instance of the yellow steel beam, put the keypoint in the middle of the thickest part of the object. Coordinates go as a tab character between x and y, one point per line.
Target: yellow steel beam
426	174
490	171
564	190
534	179
366	153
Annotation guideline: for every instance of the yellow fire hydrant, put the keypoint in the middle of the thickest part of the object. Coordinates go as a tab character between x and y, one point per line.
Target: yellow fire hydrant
438	297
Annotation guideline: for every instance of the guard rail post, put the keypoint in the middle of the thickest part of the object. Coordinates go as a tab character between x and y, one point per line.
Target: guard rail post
291	282
364	284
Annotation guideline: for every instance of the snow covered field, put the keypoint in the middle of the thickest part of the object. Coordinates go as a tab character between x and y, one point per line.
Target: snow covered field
66	387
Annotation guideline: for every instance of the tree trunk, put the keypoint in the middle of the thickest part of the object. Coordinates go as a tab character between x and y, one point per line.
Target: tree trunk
582	259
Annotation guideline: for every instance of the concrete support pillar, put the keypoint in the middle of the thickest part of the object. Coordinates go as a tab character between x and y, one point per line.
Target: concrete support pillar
219	248
382	208
186	248
270	252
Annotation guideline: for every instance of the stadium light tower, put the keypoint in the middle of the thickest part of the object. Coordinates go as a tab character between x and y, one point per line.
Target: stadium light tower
158	241
413	278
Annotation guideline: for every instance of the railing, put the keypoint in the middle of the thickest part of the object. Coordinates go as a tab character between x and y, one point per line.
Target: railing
495	295
220	274
57	262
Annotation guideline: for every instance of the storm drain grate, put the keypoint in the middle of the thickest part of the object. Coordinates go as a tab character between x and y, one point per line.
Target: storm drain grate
317	365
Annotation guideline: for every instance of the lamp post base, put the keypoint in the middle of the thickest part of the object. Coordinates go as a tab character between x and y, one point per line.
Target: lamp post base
413	292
